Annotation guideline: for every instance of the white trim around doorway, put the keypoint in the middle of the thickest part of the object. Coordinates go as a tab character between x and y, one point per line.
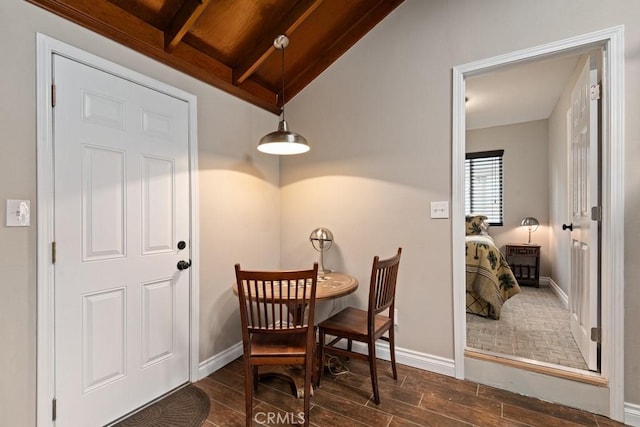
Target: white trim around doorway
45	375
612	274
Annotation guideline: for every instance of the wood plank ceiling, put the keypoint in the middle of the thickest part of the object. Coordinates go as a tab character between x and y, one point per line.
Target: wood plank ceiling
229	43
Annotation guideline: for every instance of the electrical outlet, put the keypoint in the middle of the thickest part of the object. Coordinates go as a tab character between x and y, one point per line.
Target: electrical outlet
395	316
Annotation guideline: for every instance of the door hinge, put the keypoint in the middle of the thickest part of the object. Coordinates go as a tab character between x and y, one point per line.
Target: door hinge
596	213
53	252
596	334
54	410
53	95
595	92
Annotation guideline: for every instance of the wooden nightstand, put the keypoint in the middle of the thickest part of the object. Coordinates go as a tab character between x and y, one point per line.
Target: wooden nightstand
524	260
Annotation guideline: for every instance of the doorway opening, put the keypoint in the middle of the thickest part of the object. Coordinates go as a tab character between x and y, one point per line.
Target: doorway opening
612	356
521	111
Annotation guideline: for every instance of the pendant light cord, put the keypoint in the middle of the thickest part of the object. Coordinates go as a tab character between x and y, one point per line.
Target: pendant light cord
282	48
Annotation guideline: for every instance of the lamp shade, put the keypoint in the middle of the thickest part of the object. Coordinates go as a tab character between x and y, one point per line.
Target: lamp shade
320	236
530	223
283	141
321	239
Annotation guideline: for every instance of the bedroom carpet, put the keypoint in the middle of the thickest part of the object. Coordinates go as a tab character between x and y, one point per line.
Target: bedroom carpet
533	324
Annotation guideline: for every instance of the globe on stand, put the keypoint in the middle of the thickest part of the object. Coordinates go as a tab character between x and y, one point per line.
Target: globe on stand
321	239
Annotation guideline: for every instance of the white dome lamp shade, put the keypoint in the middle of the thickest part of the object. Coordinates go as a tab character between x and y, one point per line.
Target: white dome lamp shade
530	224
283	141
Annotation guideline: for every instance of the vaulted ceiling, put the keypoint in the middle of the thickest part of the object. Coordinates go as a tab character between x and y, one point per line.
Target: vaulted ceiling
229	43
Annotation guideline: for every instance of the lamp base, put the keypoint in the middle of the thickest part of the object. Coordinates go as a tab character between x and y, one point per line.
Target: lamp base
322	273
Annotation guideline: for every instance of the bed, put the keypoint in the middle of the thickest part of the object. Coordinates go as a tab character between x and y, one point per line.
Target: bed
489	279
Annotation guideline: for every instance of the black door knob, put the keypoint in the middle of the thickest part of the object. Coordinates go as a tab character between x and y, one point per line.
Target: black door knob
567	227
183	265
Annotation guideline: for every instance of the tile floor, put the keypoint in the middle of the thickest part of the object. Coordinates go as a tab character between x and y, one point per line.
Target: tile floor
418	398
533	324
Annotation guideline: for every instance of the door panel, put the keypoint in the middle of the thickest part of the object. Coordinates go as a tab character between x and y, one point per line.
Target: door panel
157	205
121	204
103	203
584	184
158	321
103	338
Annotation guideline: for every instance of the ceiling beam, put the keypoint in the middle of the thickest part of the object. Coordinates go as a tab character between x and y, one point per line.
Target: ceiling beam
166	46
287	26
346	38
182	22
105	18
124	28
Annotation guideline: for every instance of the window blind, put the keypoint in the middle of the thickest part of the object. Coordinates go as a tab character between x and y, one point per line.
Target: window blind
484	185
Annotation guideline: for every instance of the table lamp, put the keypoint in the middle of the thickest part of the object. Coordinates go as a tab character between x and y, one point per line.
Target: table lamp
321	239
530	224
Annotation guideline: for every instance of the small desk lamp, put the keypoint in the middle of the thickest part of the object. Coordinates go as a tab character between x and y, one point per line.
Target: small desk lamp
321	239
530	224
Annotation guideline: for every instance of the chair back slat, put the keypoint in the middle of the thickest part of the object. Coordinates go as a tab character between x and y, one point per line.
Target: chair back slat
382	289
276	301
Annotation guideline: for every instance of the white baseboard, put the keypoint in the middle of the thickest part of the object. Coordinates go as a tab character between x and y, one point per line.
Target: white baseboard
632	414
557	290
220	360
428	362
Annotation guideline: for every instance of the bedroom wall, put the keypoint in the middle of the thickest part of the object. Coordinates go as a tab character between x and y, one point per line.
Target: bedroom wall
236	182
379	123
526	188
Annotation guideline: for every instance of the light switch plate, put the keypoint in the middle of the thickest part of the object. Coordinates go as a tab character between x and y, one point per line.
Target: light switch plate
18	213
440	209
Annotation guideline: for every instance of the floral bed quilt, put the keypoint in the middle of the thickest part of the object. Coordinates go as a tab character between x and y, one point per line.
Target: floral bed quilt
490	281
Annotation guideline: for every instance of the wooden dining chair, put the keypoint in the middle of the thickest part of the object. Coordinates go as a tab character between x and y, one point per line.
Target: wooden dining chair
368	326
276	312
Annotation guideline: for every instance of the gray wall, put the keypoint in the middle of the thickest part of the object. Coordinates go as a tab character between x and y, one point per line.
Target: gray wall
379	121
526	188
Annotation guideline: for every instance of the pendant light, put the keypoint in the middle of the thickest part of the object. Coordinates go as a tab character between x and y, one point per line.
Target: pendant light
283	141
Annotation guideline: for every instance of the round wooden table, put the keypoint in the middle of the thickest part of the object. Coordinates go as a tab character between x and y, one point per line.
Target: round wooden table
335	285
330	286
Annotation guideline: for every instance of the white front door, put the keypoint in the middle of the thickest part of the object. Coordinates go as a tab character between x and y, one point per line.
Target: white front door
584	173
121	186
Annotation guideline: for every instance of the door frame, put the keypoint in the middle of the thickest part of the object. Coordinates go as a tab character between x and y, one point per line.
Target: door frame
612	240
45	356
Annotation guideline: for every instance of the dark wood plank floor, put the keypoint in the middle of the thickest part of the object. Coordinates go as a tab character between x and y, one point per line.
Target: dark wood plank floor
418	398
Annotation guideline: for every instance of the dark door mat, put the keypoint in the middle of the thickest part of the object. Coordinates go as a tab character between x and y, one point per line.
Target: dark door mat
187	407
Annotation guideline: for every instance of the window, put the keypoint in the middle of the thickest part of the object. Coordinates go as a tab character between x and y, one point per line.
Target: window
483	185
